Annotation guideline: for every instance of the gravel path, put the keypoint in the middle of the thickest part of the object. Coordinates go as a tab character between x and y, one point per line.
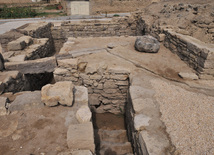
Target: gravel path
188	116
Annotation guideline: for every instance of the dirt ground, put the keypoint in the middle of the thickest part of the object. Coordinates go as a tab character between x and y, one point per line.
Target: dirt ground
192	17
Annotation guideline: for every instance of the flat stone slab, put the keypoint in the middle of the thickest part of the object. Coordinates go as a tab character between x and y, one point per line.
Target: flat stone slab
81	136
33	66
27	100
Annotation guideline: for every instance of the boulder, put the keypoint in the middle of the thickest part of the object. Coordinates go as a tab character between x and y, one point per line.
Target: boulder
58	93
147	44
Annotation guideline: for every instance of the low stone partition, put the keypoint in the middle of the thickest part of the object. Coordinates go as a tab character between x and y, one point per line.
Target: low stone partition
39	48
198	55
145	129
107	87
120	26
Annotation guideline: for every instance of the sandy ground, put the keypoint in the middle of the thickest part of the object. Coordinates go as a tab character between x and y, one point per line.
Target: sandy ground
188	117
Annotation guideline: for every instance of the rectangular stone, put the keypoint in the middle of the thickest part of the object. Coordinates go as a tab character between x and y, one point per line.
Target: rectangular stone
33	66
81	137
110	84
68	63
119	77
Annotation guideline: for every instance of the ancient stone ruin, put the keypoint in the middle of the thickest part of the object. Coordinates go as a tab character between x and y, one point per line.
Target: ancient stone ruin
80	87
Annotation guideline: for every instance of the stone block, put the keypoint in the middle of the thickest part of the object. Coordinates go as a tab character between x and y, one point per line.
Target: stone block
3	101
61	71
155	144
20	43
81	137
122	83
83	114
119	77
27	100
94	99
188	76
17	58
68	63
110	85
58	93
140	92
81	95
33	66
141	121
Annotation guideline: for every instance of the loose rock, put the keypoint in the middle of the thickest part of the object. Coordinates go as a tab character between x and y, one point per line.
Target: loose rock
58	93
147	44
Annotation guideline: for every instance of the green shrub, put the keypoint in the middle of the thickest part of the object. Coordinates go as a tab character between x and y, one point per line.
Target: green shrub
116	15
15	12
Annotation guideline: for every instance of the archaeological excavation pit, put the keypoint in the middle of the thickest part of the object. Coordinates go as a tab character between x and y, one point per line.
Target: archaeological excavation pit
112	82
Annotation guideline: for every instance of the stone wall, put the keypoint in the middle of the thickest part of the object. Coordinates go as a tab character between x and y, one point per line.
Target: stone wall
107	87
196	54
95	28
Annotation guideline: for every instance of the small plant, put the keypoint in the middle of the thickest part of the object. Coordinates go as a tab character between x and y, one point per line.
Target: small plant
15	12
116	15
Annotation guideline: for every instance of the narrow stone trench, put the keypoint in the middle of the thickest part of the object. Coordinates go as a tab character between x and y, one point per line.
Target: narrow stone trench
110	134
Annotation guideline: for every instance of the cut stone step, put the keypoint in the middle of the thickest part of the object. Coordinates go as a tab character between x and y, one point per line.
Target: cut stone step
109	148
114	136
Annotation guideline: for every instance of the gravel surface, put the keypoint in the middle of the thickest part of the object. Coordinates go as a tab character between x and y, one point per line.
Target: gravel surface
188	116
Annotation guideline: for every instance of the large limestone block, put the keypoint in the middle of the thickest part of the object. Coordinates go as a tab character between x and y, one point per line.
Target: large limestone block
58	93
3	101
83	114
81	137
141	121
156	144
27	100
33	66
147	44
20	43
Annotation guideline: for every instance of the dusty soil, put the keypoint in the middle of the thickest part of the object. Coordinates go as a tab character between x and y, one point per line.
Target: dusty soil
35	131
192	17
108	121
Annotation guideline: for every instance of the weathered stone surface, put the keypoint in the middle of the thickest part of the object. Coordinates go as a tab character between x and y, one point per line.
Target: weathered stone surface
81	136
2	87
147	44
60	71
58	93
3	101
17	58
83	114
81	95
188	76
138	92
81	152
1	62
155	144
68	63
33	66
119	77
109	85
141	121
140	104
20	43
94	99
27	100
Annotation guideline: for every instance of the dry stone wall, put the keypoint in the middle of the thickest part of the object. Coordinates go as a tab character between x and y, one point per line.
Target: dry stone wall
196	54
107	87
95	28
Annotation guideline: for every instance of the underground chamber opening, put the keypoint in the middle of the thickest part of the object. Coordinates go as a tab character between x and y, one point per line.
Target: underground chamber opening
37	81
111	134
